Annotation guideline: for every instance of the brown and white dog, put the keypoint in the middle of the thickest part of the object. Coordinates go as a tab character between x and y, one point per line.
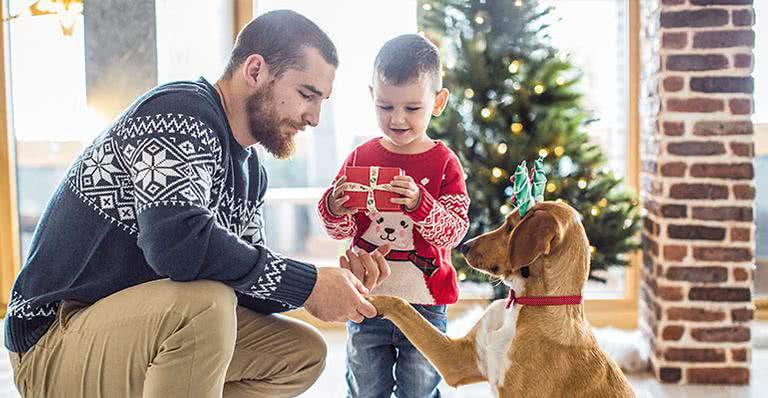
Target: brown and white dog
533	348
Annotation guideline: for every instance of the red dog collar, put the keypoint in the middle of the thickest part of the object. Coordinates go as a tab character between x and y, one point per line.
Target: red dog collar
541	300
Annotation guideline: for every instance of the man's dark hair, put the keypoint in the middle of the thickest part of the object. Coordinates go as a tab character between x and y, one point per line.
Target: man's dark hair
279	36
407	58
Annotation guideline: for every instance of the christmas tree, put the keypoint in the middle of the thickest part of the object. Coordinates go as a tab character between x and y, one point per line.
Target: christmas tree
514	98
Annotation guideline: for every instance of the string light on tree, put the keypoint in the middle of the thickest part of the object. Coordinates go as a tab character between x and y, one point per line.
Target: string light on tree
427	7
559	151
514	66
497	172
582	183
543	152
479	20
516	128
486	113
539	88
560	80
518	3
551	187
505	209
603	202
502	148
595	211
469	93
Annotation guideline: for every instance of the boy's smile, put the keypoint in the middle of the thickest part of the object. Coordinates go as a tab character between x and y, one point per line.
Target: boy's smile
403	112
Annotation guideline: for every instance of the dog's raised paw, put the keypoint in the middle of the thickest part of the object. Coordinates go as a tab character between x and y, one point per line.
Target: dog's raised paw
385	304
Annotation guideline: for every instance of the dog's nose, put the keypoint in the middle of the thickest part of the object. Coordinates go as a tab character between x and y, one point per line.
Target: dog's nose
389	230
464	247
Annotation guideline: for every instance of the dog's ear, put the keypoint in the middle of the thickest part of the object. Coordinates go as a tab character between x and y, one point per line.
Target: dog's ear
535	236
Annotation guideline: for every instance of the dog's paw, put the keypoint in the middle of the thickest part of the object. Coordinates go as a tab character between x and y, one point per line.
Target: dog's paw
386	304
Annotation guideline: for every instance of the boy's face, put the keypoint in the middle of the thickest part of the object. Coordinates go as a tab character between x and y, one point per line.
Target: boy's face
403	112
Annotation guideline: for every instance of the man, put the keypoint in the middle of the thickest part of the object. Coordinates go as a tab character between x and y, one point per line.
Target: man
148	275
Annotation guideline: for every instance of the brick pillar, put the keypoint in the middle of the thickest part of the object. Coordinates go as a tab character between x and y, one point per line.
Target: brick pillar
697	187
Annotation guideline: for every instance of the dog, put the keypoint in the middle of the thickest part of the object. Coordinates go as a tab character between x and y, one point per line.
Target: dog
538	342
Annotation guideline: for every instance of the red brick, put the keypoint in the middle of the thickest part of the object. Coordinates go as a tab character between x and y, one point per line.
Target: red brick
698	191
694	62
672	333
720	294
695	105
673	83
724	213
742	60
670	293
733	254
673	169
723	84
739	354
677	40
743	17
734	171
741	234
744	192
733	334
740	106
696	148
650	245
742	314
697	274
695	314
674	128
720	2
724	38
743	149
695	232
695	355
674	211
670	375
694	18
740	274
722	128
675	252
729	375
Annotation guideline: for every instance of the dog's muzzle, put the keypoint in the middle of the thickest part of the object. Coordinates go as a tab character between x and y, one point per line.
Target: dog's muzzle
464	247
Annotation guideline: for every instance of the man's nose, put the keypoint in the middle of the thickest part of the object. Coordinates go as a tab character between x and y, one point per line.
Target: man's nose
312	116
389	230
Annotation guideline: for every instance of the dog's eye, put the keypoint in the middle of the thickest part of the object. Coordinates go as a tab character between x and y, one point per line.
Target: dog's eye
509	228
404	224
380	220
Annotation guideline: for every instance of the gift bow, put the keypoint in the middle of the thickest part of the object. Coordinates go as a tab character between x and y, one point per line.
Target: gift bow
373	180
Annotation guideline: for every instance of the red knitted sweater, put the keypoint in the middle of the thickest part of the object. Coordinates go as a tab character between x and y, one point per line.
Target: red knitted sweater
421	239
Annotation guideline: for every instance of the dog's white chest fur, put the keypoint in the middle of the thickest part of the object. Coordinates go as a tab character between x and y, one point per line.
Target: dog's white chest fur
495	335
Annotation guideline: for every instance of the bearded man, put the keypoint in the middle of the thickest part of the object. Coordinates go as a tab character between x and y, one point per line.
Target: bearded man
148	274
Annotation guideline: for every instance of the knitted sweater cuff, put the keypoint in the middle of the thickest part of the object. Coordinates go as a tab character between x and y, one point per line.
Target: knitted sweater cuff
296	283
426	203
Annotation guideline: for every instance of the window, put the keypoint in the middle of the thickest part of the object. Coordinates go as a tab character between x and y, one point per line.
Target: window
760	120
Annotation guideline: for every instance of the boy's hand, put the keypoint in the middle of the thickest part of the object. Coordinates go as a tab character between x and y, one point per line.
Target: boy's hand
337	199
405	186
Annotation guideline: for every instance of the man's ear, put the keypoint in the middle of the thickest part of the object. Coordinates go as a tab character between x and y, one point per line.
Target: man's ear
255	70
535	236
441	100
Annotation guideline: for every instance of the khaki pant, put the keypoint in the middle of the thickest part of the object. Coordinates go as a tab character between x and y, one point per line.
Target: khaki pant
170	339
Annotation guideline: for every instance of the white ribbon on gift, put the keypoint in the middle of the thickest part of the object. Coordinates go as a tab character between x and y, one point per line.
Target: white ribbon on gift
373	180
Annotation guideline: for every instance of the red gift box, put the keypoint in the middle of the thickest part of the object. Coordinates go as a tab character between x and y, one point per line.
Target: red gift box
366	188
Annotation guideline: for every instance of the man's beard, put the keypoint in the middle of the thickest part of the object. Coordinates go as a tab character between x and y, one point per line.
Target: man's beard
265	124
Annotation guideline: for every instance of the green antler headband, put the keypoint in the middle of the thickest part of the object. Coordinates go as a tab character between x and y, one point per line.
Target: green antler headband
526	192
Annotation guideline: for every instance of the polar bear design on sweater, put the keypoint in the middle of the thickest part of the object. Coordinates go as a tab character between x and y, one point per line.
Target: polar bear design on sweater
407	280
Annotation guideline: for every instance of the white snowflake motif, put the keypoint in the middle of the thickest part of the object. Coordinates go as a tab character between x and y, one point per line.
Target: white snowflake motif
99	166
155	168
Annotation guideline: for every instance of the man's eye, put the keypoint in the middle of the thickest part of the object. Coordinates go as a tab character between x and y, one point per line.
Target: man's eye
305	96
412	109
385	107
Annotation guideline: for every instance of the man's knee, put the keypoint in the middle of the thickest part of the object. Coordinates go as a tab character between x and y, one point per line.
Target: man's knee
315	351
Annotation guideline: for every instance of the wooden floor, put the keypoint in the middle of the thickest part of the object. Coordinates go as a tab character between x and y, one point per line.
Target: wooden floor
331	383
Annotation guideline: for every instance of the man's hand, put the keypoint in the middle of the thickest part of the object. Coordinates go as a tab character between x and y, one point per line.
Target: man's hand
337	199
337	297
371	269
405	186
338	292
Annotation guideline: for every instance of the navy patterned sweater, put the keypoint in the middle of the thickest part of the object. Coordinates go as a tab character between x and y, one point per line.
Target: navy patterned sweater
165	192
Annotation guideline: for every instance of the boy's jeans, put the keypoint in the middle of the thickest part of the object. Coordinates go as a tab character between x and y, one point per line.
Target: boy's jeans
381	360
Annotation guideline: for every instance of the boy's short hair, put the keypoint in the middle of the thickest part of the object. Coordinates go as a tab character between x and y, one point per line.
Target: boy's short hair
279	36
408	58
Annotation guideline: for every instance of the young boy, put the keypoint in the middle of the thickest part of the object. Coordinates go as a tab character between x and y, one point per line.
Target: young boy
407	91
